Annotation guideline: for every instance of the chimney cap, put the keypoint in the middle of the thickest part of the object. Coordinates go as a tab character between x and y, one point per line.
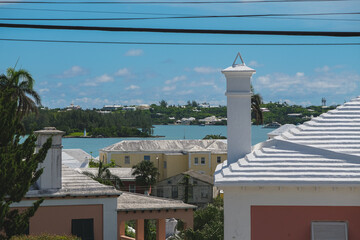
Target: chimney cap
50	130
238	67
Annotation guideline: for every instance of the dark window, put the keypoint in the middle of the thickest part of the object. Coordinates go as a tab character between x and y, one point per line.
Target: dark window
202	161
132	188
204	193
160	192
83	228
218	159
196	161
191	193
146	158
169	182
165	164
194	182
127	159
174	192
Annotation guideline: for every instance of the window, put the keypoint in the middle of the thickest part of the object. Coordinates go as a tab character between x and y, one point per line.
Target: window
194	182
132	188
127	159
329	230
191	192
196	161
146	158
174	192
83	228
165	164
169	182
204	193
160	192
202	161
218	159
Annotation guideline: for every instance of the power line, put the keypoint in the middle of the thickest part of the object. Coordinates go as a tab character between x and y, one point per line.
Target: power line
89	11
179	43
172	2
187	31
181	17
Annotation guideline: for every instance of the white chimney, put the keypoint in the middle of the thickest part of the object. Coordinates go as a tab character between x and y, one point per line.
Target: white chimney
238	92
51	176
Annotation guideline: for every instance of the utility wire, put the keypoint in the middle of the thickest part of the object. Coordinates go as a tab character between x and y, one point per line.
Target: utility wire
188	31
89	11
181	17
179	43
172	2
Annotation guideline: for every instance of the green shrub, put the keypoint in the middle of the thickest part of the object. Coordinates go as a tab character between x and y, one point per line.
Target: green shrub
45	237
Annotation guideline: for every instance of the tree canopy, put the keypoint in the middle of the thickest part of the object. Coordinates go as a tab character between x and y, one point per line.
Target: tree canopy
145	174
18	164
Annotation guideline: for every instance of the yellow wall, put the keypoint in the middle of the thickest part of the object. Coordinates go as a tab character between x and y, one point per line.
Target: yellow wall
176	163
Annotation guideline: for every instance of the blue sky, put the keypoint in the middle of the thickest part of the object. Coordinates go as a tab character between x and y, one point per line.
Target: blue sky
92	75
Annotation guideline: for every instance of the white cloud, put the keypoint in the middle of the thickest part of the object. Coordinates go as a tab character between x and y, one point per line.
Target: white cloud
59	84
206	70
304	85
44	90
101	79
199	84
322	69
74	71
132	87
123	72
185	92
176	79
254	64
169	88
134	52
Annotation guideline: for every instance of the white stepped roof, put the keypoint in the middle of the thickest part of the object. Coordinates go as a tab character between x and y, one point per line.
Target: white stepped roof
323	151
168	146
338	130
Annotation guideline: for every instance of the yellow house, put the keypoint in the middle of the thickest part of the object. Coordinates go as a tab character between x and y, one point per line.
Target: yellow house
171	157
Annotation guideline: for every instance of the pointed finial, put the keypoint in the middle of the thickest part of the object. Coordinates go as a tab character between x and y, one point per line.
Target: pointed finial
242	61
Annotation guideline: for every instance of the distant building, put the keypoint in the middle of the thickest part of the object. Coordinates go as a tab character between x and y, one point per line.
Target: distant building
171	157
204	105
210	120
73	107
129	108
294	114
143	107
112	107
200	188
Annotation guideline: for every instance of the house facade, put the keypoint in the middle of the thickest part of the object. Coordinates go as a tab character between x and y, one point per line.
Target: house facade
75	204
171	157
302	184
200	188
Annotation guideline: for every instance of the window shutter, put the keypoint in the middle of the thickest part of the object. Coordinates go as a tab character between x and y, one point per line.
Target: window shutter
329	231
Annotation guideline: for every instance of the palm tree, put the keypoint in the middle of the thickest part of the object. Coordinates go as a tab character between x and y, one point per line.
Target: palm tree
256	101
22	83
145	174
104	176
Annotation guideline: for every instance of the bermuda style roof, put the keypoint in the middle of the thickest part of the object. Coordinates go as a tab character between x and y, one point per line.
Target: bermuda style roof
134	201
168	146
122	173
75	184
323	151
75	158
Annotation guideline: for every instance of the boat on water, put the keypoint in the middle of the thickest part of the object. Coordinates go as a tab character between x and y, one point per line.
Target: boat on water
272	125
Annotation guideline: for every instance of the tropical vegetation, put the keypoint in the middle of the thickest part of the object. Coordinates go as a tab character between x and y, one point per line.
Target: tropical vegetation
145	174
18	160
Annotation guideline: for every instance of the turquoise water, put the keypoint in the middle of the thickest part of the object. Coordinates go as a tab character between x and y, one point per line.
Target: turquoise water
170	132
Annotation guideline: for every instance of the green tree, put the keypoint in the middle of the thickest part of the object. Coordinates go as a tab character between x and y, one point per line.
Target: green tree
214	136
145	174
22	83
163	103
18	164
104	176
256	101
208	223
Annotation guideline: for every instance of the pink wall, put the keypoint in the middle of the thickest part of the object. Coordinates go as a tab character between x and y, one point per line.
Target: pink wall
57	219
294	222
